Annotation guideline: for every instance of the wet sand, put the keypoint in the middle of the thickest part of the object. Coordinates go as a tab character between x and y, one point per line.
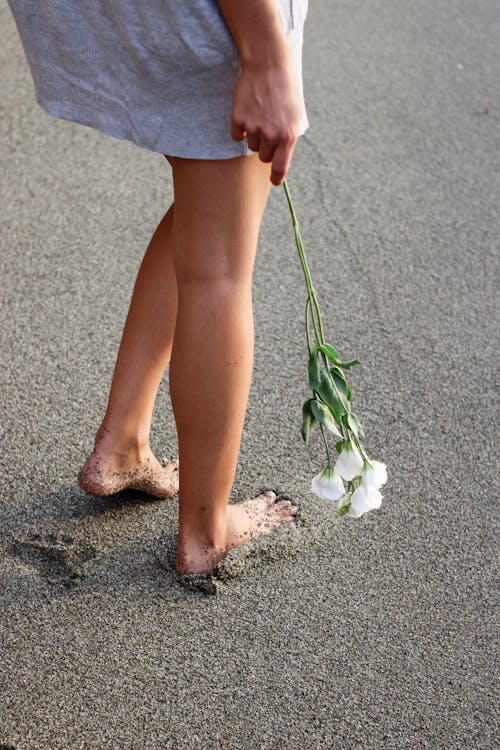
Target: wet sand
370	633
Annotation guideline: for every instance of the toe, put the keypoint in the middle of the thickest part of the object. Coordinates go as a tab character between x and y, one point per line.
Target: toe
270	497
271	523
285	506
284	511
260	504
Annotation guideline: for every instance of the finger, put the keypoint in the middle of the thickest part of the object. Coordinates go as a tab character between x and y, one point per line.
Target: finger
281	162
266	150
253	141
238	131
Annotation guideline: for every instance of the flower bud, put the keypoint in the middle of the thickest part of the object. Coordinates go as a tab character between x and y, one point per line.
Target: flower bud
328	484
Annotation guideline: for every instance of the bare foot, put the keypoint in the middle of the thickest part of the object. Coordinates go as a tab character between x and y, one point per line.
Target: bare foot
244	521
106	474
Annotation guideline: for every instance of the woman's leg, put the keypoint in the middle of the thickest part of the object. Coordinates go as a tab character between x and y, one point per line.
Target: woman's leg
218	211
122	440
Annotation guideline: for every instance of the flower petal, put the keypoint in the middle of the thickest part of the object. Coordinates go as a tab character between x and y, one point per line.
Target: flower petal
349	464
353	513
363	500
375	476
328	485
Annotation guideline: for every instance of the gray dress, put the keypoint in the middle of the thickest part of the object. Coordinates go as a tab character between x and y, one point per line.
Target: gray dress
160	73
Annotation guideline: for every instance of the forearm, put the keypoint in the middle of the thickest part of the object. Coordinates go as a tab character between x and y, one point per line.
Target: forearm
267	105
257	31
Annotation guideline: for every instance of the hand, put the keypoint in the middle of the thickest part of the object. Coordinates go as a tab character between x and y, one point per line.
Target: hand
267	111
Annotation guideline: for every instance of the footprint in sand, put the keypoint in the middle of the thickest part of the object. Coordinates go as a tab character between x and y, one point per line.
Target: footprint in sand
57	558
288	541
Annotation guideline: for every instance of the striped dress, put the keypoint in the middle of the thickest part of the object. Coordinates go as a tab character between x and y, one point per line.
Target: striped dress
160	73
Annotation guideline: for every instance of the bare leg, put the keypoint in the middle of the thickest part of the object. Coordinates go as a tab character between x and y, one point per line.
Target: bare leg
122	453
218	211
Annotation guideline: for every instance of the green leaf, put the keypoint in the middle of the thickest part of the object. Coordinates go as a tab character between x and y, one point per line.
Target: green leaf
327	393
308	420
342	386
330	352
314	369
333	356
323	414
342	511
348	365
341	381
354	424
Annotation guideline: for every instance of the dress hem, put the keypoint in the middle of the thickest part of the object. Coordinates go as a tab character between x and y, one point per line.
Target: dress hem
54	109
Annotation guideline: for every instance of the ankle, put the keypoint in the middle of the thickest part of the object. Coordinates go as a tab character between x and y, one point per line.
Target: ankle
201	531
120	444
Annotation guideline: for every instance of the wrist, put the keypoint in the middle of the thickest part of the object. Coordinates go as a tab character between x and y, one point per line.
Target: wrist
265	58
257	30
265	63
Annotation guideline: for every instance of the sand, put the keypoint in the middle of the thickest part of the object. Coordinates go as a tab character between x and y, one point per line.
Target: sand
334	634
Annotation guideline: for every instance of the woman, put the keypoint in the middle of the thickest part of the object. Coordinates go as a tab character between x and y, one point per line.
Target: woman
215	87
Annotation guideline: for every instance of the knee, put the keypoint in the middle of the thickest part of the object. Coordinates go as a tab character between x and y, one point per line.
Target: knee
211	268
215	277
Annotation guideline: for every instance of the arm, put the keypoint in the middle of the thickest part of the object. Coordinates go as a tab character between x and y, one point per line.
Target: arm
267	106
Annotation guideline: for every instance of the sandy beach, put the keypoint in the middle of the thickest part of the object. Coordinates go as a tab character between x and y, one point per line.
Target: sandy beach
336	634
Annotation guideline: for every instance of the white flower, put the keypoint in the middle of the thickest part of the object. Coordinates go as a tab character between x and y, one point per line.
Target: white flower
364	499
353	513
349	464
374	475
328	484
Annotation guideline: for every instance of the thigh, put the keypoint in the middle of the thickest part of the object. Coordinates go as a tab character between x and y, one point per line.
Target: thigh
219	206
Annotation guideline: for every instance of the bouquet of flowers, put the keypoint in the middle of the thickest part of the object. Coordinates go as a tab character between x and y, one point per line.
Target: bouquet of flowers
330	408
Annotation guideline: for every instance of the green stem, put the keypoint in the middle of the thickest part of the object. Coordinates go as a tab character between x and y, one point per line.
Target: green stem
318	324
308	304
312	304
312	295
359	446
